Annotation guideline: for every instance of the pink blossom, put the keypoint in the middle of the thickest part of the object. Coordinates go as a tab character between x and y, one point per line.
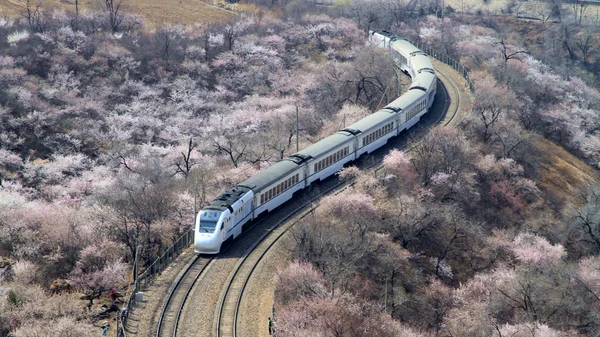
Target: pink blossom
532	249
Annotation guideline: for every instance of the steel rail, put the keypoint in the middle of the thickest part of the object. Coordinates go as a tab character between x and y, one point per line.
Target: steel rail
176	288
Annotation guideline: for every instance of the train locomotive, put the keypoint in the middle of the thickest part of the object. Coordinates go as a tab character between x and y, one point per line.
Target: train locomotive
224	218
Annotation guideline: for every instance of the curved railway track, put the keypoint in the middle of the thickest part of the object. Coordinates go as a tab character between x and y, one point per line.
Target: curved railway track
231	297
229	303
171	312
458	101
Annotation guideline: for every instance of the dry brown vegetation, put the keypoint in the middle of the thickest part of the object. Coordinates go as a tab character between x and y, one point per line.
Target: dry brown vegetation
560	173
156	12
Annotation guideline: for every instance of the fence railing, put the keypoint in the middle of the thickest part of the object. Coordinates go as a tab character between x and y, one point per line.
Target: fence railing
442	57
150	273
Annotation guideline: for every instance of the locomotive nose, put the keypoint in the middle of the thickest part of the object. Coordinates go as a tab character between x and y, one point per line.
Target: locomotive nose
206	243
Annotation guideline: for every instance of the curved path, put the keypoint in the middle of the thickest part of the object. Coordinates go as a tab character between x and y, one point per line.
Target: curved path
248	277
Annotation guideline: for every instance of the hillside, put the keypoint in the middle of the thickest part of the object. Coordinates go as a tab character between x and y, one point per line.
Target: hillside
156	12
562	174
111	143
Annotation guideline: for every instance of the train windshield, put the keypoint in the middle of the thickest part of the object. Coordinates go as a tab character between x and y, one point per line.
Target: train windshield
207	226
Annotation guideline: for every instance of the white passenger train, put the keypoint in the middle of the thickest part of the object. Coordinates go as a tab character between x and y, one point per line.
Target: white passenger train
225	217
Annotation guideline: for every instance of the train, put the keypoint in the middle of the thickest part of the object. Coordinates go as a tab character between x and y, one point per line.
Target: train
225	217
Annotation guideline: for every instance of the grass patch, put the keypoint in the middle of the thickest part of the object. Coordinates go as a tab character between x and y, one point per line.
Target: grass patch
156	12
560	173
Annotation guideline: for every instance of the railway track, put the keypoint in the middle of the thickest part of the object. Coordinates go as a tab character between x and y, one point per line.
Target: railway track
231	298
171	312
453	106
229	304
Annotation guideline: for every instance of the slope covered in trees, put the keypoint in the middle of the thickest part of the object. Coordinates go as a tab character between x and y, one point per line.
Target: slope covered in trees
109	143
112	137
489	229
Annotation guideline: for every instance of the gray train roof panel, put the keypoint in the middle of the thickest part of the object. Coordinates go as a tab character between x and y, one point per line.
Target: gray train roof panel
403	46
421	61
325	144
423	80
384	33
372	120
228	198
267	176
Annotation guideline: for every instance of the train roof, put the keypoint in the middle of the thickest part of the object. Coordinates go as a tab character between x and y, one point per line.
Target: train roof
228	198
267	176
384	33
423	80
404	47
324	145
407	100
420	62
370	121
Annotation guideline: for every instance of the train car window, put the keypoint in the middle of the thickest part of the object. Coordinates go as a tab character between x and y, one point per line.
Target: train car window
297	177
277	190
262	198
